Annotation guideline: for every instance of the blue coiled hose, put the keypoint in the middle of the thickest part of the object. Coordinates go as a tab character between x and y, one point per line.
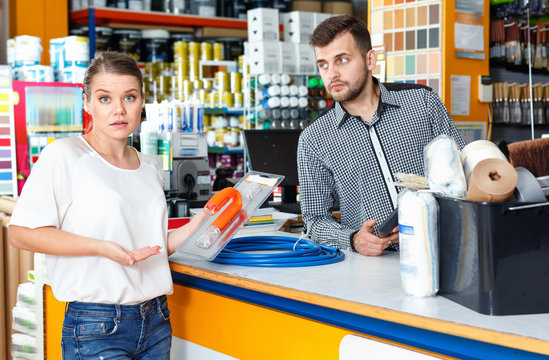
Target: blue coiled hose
300	253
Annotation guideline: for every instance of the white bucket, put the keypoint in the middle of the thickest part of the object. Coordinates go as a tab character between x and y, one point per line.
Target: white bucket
73	75
77	51
11	52
36	73
28	50
57	54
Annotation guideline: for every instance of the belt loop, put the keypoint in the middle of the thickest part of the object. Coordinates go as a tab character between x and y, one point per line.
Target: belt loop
118	312
158	303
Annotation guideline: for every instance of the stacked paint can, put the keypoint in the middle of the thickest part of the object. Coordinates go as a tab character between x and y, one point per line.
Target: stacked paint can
69	57
23	54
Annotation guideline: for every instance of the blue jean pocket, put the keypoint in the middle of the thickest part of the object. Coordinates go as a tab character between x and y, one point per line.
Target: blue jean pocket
93	327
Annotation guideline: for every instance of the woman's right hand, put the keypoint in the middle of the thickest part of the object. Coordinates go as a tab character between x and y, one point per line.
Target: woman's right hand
124	257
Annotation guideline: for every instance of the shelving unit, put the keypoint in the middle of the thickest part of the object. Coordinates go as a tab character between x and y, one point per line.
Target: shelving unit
145	19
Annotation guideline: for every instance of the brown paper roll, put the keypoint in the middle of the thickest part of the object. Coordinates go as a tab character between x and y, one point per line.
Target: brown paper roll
26	264
492	180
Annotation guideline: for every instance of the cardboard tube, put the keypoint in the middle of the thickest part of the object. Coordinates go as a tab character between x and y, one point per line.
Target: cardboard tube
7	204
492	180
4	321
12	259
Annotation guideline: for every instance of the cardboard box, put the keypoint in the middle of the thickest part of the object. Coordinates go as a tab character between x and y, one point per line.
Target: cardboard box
306	59
306	5
298	26
338	7
288	58
320	17
264	57
263	25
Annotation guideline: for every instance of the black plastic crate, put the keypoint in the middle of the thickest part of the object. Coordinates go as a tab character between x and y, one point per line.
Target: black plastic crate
494	257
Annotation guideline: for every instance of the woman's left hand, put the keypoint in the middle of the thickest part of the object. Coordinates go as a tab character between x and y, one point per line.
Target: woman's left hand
145	253
125	257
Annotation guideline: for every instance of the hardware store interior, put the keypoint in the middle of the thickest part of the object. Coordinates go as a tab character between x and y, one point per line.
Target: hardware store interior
292	179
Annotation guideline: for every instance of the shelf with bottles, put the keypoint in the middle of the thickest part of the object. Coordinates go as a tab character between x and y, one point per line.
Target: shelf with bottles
224	110
286	101
225	150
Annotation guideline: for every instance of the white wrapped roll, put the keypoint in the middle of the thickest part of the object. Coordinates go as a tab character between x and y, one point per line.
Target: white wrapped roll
443	167
418	238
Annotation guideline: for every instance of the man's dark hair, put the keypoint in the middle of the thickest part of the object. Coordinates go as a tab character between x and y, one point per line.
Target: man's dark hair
335	26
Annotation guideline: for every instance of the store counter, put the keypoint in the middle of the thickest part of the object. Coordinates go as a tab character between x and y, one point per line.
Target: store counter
304	313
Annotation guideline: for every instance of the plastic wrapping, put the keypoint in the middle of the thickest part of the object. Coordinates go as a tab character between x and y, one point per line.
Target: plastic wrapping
443	167
229	209
26	295
418	240
23	346
24	320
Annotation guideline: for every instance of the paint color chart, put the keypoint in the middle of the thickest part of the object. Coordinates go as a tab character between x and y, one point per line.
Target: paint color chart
51	113
412	39
8	165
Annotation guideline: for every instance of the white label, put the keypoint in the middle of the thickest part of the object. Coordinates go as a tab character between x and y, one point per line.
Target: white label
207	11
203	179
135	4
262	180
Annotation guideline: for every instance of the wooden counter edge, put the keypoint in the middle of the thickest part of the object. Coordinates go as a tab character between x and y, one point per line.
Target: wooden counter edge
435	325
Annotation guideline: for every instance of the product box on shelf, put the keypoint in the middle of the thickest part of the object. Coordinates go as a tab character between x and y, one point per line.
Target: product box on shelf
306	59
264	57
494	256
320	17
298	26
263	24
288	58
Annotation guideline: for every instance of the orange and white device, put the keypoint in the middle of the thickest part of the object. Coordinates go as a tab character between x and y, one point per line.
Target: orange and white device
228	210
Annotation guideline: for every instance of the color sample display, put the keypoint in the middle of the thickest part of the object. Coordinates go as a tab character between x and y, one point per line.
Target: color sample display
412	38
8	165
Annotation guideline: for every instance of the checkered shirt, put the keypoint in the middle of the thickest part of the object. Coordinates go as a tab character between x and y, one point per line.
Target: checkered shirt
343	158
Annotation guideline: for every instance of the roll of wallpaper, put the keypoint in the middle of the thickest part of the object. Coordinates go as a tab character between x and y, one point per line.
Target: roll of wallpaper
492	180
477	151
418	240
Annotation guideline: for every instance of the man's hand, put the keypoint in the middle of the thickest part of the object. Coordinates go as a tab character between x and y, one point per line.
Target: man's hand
366	243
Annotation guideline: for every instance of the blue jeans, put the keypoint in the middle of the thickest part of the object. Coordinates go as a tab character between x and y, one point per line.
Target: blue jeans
104	331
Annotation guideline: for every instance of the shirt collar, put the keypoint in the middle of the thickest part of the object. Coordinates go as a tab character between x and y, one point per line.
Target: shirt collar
385	99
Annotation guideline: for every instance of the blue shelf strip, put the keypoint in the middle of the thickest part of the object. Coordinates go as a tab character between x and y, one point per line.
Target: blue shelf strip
424	339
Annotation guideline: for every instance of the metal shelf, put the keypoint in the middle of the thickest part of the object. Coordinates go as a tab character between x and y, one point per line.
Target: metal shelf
225	149
227	111
105	16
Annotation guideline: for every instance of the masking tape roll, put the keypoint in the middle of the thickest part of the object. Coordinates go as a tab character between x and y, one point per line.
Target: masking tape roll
492	180
477	151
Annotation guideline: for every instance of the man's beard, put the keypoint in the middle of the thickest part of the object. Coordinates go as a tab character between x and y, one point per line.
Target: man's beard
352	93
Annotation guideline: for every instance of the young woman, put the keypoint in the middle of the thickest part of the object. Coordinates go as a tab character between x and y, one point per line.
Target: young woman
96	207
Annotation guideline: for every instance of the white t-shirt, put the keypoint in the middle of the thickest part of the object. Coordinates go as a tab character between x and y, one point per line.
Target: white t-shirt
74	189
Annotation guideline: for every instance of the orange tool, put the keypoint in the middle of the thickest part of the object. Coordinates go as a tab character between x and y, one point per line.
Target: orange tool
218	201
